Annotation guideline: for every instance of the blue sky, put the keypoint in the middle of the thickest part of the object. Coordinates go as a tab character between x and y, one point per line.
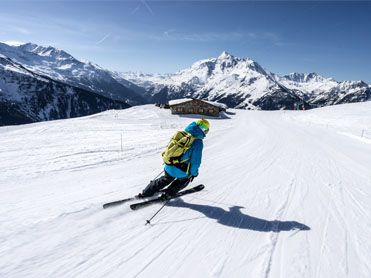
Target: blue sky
332	38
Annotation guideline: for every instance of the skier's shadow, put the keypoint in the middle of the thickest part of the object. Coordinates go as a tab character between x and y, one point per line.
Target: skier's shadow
236	219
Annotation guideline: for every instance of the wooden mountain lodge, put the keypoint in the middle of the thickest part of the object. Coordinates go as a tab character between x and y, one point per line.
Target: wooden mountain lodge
196	106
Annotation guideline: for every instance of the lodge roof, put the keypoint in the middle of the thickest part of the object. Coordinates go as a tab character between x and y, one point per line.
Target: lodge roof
184	100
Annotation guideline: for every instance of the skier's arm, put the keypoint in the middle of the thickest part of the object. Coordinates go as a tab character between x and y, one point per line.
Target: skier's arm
196	157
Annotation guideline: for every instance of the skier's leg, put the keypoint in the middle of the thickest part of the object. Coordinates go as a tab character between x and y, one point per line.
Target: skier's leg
176	186
156	185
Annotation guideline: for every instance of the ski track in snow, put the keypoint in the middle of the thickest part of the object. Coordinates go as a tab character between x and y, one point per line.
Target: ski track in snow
285	196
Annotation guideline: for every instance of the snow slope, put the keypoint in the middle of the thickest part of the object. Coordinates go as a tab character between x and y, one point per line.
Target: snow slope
63	67
287	195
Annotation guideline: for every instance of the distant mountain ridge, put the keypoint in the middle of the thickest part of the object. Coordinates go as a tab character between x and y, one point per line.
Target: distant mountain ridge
243	83
42	83
27	97
61	66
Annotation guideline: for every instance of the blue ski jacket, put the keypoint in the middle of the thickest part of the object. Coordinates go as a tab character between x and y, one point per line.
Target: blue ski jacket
194	153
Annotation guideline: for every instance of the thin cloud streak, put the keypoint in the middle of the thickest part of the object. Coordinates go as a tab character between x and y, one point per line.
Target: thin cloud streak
53	24
147	6
72	29
104	38
21	30
136	9
172	35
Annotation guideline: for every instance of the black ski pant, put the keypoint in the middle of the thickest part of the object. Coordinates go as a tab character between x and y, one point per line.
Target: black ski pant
156	185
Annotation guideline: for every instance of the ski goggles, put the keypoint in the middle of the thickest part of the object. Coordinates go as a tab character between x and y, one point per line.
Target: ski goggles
204	128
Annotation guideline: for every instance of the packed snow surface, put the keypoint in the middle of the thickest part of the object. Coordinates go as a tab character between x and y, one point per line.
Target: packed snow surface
287	195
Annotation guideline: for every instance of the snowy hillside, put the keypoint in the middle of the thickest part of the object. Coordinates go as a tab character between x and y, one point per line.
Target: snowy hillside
287	195
27	97
243	83
61	66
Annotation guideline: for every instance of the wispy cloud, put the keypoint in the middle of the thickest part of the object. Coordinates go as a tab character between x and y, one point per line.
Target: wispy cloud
232	36
147	6
167	33
25	23
21	30
136	9
104	38
55	31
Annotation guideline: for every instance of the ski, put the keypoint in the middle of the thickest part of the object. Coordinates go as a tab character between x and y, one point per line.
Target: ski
119	202
123	201
160	200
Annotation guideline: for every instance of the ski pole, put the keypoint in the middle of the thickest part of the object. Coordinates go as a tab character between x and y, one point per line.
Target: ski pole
159	174
149	220
153	216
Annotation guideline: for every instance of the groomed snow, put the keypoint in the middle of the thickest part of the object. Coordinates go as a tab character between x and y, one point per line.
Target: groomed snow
287	195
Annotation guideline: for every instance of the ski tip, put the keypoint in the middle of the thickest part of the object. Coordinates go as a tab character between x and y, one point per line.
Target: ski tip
109	205
199	187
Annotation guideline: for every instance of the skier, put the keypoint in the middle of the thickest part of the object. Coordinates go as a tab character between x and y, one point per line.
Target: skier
182	159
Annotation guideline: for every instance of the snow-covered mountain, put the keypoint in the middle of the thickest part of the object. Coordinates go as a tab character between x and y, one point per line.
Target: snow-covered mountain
237	82
61	66
26	96
243	83
286	195
320	91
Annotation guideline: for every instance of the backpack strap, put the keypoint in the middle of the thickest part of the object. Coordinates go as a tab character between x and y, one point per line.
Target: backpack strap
188	159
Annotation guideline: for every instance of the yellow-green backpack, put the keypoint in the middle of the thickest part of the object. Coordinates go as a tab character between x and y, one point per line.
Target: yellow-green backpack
178	145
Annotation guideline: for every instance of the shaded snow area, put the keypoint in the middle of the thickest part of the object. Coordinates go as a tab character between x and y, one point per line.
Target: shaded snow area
287	195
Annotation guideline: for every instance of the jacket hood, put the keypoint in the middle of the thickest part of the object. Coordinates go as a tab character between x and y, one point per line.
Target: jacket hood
195	130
